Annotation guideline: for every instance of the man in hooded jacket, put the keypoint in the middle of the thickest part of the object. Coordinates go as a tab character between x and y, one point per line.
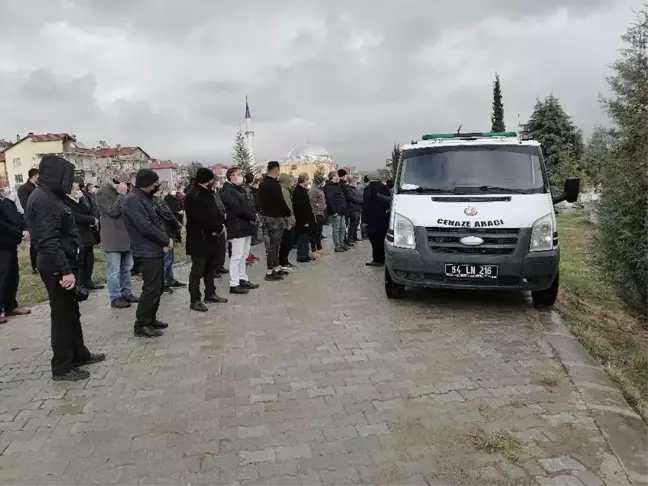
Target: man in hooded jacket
53	230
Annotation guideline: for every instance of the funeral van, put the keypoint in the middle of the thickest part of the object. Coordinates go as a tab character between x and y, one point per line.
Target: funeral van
474	211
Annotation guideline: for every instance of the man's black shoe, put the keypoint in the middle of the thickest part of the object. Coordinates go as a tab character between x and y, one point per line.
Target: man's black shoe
72	375
274	276
374	264
304	260
222	270
167	290
147	332
239	290
248	285
177	285
198	307
159	325
94	358
119	304
215	299
131	299
289	265
93	286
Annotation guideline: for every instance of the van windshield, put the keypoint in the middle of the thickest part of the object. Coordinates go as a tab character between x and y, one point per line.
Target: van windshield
495	169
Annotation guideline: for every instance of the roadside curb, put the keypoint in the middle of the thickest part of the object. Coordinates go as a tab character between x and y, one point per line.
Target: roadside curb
624	430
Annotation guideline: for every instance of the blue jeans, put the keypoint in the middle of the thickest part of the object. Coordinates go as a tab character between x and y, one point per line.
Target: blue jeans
118	274
338	229
168	268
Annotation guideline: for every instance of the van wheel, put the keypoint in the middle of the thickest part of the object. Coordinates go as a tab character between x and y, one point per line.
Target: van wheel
392	289
547	297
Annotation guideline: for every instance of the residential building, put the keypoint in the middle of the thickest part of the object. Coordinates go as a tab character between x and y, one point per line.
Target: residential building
124	159
3	168
27	152
170	174
219	171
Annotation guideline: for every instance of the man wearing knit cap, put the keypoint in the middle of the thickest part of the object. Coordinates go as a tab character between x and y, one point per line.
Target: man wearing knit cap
149	243
204	229
115	241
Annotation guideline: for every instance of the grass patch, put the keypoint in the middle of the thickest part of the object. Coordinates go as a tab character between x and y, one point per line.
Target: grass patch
549	380
498	441
612	333
31	290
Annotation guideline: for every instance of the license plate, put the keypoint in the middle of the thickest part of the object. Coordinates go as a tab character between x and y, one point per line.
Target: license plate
465	270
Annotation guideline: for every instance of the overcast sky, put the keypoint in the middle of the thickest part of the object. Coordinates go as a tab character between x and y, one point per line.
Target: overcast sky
352	75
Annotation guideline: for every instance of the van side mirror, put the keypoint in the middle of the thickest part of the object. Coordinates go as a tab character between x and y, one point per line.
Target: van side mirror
570	192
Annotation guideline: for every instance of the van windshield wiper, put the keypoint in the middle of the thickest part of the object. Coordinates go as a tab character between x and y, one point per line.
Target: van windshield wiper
503	189
427	190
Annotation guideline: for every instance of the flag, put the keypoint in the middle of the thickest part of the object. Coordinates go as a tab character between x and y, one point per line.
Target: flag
247	109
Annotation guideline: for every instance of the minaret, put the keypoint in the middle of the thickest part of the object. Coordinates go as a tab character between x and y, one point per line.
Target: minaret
249	132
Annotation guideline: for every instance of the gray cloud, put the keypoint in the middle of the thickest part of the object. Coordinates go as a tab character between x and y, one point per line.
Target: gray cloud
352	76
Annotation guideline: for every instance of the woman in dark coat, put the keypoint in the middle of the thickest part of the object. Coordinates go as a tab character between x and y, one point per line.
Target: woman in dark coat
86	223
375	215
304	218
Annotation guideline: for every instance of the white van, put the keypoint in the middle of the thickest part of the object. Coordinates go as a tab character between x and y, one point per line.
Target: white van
474	211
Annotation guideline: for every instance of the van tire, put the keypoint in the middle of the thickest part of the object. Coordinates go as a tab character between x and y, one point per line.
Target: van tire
547	297
393	289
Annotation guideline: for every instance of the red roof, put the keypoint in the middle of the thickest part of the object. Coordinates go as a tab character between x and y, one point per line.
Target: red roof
219	169
116	151
49	137
163	164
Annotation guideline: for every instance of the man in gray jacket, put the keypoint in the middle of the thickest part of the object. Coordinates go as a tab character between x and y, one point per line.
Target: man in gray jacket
116	242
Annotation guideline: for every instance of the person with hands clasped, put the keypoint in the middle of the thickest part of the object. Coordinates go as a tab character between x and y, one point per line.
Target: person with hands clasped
149	243
240	220
204	229
53	230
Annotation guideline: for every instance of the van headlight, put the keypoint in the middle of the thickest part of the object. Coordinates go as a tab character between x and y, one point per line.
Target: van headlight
542	234
404	233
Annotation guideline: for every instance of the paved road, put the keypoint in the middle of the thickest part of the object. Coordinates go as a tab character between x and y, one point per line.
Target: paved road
318	379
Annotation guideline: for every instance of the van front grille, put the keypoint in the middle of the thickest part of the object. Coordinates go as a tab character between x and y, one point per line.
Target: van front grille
497	241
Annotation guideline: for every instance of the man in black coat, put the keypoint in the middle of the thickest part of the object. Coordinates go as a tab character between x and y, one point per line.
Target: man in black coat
337	208
24	191
240	220
204	228
304	218
12	232
149	243
176	205
173	229
354	204
86	223
375	215
274	211
53	230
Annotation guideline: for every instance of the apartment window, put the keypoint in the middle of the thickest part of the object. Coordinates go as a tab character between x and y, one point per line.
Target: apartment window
18	178
16	162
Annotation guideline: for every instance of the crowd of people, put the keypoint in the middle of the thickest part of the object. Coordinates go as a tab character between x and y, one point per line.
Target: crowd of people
138	228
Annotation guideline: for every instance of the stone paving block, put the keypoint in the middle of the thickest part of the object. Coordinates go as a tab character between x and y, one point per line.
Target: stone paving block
562	463
559	481
258	391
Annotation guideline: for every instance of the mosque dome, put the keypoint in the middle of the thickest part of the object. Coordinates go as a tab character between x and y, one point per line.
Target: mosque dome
309	151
